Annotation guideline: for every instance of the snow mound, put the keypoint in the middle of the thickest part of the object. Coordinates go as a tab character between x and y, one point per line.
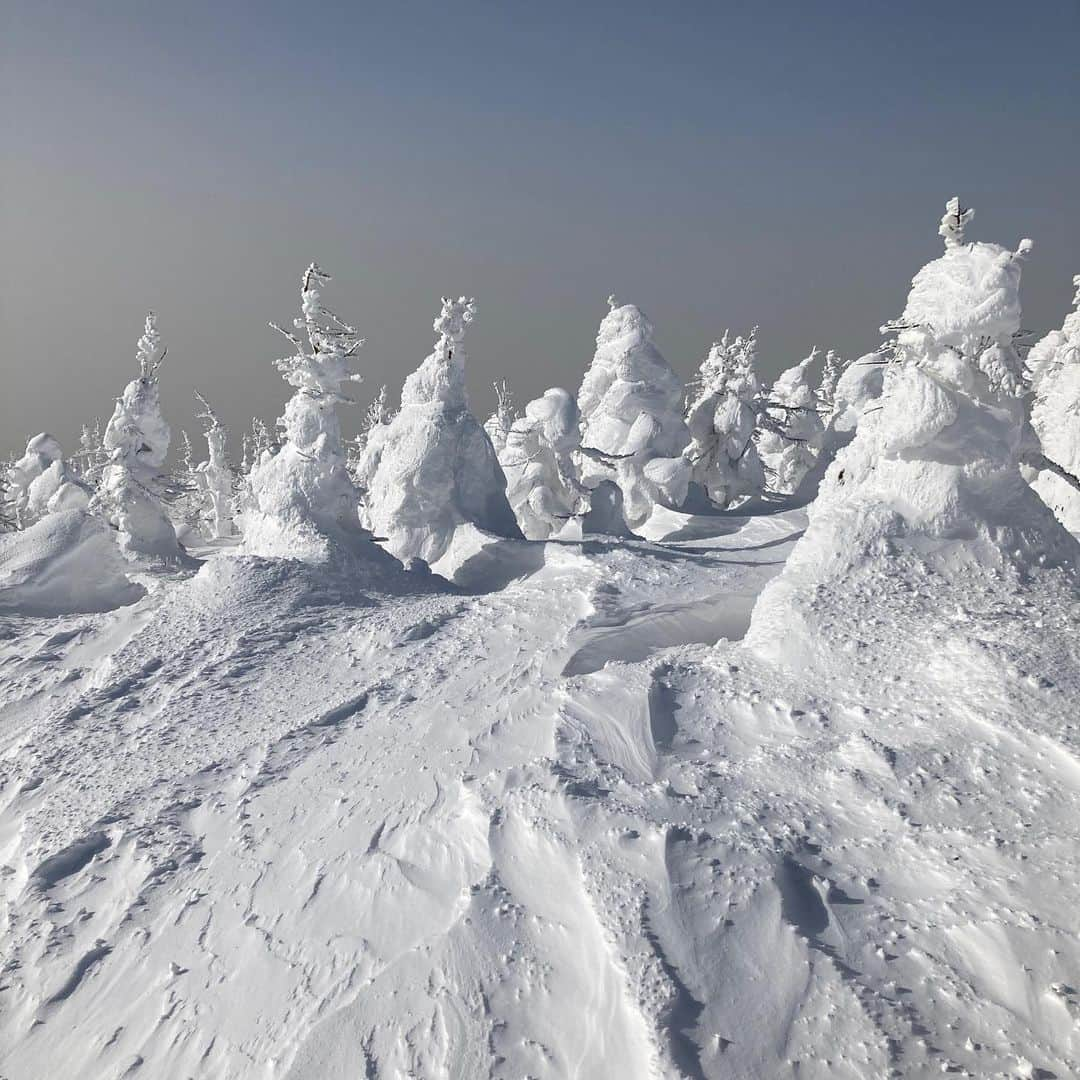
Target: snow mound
929	494
65	563
40	482
432	468
631	404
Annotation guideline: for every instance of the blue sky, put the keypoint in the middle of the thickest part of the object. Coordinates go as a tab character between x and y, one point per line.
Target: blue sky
719	164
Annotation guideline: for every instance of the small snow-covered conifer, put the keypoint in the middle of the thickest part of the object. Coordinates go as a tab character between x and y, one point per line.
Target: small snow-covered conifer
953	223
790	434
498	424
40	483
216	475
541	473
137	443
721	416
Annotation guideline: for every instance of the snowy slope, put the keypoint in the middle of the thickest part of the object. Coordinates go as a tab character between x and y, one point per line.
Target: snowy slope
266	822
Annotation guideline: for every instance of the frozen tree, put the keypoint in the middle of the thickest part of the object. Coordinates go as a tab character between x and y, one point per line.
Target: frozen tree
262	440
91	458
432	468
302	502
790	435
40	483
186	486
632	430
930	489
538	460
831	371
498	424
1054	366
953	223
137	443
721	415
215	474
377	413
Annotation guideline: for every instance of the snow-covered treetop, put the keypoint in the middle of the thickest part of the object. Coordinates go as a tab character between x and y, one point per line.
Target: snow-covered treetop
953	223
970	294
151	349
729	366
441	377
320	366
793	388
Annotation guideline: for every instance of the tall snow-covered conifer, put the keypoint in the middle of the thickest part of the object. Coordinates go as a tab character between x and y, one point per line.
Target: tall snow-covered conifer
432	468
632	429
302	502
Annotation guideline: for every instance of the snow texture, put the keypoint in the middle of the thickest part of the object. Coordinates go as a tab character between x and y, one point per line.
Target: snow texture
432	469
1054	363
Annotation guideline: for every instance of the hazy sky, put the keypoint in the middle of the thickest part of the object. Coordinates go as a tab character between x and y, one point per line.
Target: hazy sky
719	164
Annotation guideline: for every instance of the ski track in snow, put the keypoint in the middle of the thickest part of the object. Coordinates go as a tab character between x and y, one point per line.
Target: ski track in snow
251	828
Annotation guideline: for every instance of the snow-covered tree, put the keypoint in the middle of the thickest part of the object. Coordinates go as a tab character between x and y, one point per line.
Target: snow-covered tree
632	429
721	416
1054	366
91	459
498	424
302	502
831	371
930	489
186	498
40	483
216	476
377	413
953	223
137	443
538	460
432	468
790	435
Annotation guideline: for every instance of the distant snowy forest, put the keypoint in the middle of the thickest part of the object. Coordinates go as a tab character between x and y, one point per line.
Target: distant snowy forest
632	439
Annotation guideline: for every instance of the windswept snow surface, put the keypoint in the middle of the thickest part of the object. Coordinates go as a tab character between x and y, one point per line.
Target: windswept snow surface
267	822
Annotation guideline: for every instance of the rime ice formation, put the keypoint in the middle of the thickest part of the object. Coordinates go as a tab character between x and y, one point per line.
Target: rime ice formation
632	428
538	460
930	490
498	424
721	417
791	435
40	482
216	475
432	468
301	502
1054	363
137	443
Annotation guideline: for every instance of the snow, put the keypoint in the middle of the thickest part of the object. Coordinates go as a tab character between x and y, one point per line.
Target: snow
301	502
432	469
537	457
722	416
790	443
773	792
631	415
1055	365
